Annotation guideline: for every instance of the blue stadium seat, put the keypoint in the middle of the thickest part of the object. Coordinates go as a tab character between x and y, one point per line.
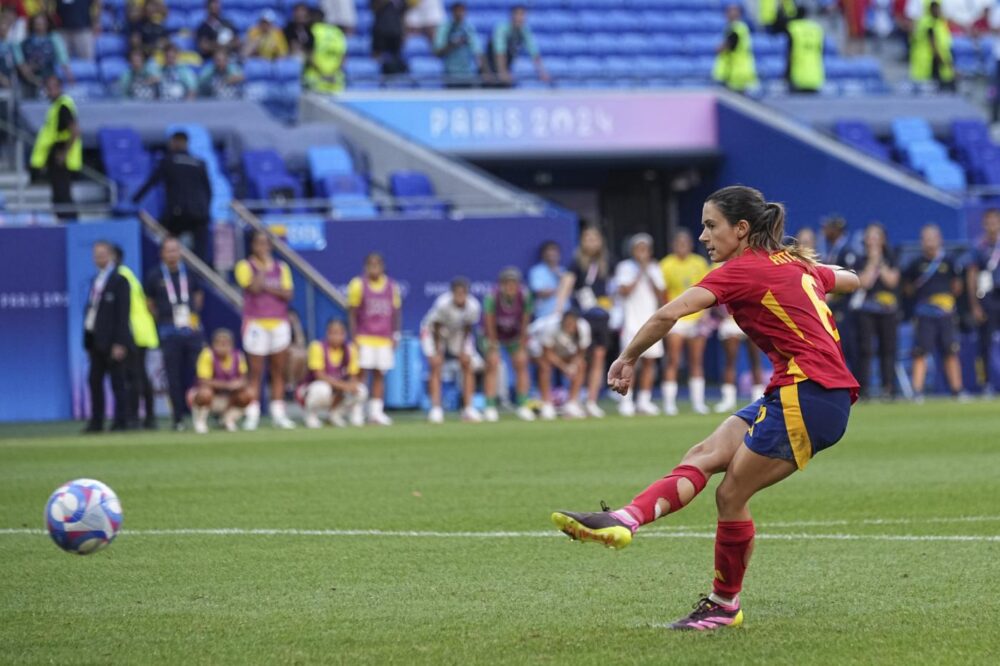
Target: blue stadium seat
426	66
112	69
358	45
257	69
275	185
288	69
415	194
946	176
352	206
326	161
922	153
361	68
907	130
110	45
343	184
117	141
416	45
84	71
176	20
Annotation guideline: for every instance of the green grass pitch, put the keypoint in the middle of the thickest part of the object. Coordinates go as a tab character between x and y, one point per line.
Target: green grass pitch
884	551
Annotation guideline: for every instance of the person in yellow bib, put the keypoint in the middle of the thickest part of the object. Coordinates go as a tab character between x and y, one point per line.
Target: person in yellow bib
682	270
735	66
58	148
931	57
806	73
144	334
774	15
323	71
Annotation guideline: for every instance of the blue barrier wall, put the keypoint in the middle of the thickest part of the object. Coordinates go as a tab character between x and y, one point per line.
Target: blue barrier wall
33	324
814	183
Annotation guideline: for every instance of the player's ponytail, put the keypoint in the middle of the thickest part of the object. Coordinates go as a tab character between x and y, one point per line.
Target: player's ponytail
766	220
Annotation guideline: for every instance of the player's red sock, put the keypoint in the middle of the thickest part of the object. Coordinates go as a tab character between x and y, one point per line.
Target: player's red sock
645	509
733	545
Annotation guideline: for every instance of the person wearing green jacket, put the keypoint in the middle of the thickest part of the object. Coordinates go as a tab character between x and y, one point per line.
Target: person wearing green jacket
145	337
931	57
735	66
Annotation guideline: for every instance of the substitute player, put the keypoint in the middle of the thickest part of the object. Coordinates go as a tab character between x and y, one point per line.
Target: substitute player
560	343
267	290
776	293
682	270
507	315
333	385
447	333
375	308
223	386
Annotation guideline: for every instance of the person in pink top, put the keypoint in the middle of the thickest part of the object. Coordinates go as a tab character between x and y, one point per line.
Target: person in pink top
375	311
267	333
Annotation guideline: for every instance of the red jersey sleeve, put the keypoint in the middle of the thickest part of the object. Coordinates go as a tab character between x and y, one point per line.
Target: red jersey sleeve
722	282
827	277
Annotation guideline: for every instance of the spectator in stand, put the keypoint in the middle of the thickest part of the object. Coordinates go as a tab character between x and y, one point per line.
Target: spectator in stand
333	386
854	12
585	284
221	78
878	311
176	297
267	290
18	19
931	57
298	32
507	41
216	33
8	65
387	35
42	54
177	82
836	251
983	288
107	339
266	40
79	20
341	13
324	69
222	384
150	32
375	314
140	80
932	281
735	66
682	270
806	238
806	72
559	343
425	17
640	291
144	336
58	148
774	15
188	193
446	332
544	278
508	311
457	44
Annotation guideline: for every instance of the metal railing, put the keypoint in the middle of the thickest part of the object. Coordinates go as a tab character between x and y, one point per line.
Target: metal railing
228	292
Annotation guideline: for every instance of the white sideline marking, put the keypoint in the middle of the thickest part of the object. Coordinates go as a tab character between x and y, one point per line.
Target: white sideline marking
236	531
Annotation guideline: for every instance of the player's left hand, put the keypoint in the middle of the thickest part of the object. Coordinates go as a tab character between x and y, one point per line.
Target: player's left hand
620	375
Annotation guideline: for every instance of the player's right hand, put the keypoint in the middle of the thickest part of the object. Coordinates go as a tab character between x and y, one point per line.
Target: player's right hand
620	376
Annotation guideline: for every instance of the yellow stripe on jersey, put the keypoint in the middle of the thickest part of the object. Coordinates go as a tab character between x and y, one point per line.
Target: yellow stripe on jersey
772	304
795	425
205	366
243	273
356	291
314	357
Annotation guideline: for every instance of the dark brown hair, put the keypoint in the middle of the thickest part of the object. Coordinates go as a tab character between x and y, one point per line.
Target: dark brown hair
766	220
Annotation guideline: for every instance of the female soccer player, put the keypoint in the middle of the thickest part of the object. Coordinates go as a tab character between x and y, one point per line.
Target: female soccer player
776	293
267	290
333	385
222	384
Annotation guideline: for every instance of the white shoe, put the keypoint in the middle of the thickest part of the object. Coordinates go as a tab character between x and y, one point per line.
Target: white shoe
647	409
573	410
200	427
726	406
230	425
547	412
312	422
699	409
472	415
436	415
358	416
380	419
594	410
525	413
490	415
284	423
669	410
626	408
337	418
250	423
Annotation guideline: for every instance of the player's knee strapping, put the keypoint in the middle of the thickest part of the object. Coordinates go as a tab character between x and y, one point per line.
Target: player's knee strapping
646	506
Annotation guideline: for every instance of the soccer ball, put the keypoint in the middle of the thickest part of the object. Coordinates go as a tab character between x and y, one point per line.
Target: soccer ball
83	516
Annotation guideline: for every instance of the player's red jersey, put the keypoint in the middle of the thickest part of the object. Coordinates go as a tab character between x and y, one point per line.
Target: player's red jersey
779	302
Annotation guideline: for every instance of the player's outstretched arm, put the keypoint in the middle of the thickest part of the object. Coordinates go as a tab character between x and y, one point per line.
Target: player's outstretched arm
847	281
656	328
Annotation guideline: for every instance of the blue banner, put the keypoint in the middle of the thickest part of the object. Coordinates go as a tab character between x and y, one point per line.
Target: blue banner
79	271
33	324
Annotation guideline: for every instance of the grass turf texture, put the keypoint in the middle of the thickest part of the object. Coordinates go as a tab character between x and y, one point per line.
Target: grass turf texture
529	599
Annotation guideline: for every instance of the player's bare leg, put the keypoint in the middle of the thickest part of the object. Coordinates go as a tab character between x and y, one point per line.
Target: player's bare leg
548	411
436	363
469	412
256	376
953	372
519	359
572	408
668	495
595	380
748	473
671	366
731	347
696	374
919	376
376	406
279	417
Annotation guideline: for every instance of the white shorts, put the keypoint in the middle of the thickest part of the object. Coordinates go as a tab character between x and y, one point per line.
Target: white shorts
687	329
381	358
260	340
729	329
656	351
454	347
427	14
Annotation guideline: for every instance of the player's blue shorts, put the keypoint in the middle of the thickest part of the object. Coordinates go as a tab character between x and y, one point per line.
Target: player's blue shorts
796	422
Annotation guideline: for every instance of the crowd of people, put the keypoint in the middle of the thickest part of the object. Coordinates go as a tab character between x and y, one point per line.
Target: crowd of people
556	327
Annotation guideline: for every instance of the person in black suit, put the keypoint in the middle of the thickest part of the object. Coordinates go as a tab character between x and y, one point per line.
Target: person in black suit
107	338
